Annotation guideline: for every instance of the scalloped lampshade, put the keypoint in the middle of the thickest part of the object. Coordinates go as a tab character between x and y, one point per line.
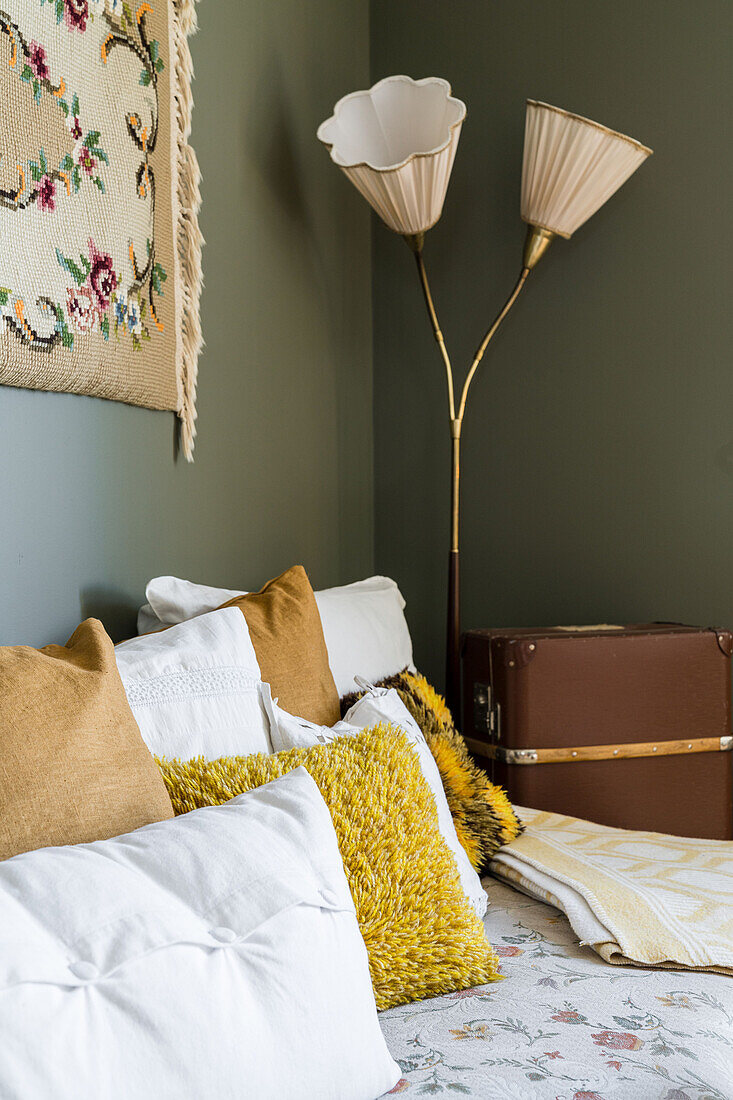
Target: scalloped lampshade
396	142
571	167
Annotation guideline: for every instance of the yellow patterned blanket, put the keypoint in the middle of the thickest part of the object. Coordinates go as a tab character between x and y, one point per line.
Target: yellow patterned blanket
634	897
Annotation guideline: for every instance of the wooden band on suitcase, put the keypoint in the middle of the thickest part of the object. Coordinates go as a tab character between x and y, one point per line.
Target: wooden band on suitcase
600	752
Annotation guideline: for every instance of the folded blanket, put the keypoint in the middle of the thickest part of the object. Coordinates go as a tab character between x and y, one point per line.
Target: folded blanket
641	898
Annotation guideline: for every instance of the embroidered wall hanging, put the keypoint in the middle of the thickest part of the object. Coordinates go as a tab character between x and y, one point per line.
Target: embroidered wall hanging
100	250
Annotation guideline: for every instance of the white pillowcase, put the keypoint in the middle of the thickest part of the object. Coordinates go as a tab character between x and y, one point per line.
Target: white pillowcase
195	689
382	705
363	623
213	955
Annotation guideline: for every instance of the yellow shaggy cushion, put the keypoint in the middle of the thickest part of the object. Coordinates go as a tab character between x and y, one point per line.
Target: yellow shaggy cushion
483	816
422	934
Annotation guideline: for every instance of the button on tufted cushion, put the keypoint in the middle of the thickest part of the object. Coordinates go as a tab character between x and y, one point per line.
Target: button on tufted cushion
215	955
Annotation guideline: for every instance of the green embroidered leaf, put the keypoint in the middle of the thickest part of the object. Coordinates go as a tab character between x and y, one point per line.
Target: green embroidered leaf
143	309
67	164
37	91
101	154
145	78
35	171
104	326
99	183
153	50
68	264
85	264
59	10
76	177
75	105
67	338
27	73
4	295
64	107
159	66
43	163
158	277
91	139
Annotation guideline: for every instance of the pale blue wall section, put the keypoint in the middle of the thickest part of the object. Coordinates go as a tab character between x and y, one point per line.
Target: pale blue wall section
91	501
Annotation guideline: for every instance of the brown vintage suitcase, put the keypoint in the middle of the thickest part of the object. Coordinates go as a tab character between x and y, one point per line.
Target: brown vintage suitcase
623	725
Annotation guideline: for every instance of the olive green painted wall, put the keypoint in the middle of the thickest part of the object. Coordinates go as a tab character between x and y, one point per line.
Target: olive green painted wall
598	448
91	501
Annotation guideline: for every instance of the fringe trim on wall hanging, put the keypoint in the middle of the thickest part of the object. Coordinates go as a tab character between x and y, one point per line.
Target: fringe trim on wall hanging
100	257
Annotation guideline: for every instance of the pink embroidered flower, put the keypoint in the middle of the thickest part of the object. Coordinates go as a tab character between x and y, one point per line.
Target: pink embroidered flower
613	1064
76	128
37	61
587	1096
553	1054
81	308
102	277
464	994
401	1085
46	192
568	1016
76	13
617	1040
87	161
508	952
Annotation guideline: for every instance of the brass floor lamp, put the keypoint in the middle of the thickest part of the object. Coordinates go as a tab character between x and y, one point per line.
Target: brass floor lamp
397	142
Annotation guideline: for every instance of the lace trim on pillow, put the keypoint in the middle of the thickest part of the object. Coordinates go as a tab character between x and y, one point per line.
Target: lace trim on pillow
201	683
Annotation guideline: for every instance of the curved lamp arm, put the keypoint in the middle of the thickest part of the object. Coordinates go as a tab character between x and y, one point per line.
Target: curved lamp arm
536	245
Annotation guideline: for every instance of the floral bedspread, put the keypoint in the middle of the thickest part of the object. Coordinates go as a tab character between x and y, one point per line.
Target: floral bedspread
565	1025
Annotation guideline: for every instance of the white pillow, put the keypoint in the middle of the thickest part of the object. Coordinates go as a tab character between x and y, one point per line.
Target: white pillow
363	623
195	689
381	705
213	955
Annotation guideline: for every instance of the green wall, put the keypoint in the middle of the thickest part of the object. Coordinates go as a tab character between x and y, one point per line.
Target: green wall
91	501
598	447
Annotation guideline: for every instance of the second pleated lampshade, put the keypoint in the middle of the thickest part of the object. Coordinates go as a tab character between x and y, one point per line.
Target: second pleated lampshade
571	167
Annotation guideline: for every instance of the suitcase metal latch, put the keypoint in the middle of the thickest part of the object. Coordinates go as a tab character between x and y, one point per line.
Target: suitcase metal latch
486	719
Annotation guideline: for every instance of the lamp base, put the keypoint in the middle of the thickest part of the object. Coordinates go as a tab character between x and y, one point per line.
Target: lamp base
536	244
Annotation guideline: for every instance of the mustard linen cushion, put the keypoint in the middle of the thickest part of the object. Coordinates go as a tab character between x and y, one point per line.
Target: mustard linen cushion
73	766
483	816
287	634
422	934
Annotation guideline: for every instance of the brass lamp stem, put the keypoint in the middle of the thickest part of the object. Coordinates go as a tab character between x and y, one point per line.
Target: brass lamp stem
489	334
539	243
436	328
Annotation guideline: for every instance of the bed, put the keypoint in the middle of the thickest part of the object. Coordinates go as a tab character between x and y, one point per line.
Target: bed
565	1025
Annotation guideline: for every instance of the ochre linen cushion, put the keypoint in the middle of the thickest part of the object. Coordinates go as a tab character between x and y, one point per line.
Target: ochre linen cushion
482	813
422	935
286	632
73	766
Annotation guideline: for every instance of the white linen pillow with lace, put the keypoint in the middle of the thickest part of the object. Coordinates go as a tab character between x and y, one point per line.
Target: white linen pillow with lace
195	689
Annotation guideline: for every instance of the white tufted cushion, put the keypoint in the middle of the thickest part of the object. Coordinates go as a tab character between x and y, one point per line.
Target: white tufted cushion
214	955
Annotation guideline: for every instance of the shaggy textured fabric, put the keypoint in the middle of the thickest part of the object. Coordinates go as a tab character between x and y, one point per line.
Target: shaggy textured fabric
100	271
482	814
422	934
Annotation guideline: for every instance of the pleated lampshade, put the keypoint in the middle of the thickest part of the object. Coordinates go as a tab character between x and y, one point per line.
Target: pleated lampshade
396	142
571	167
